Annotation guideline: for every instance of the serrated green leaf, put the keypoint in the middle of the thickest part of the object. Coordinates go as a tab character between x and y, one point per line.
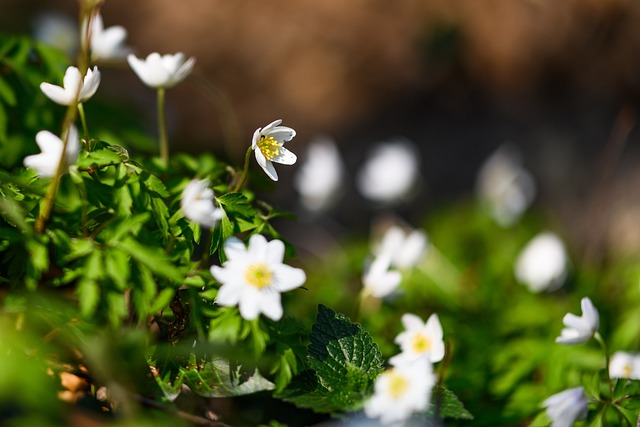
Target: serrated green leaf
99	159
162	300
447	405
238	204
152	258
88	295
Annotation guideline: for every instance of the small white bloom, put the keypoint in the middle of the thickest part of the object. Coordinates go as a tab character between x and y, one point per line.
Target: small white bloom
405	248
163	71
319	179
624	365
197	204
106	43
580	329
419	340
566	407
268	146
46	163
390	172
75	89
56	30
504	186
254	277
378	280
542	264
401	391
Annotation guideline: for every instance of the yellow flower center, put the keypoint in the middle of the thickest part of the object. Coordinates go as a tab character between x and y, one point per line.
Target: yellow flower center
269	147
626	371
420	343
398	385
259	275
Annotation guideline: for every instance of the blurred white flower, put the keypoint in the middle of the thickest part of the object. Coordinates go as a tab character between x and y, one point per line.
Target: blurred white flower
319	178
75	90
390	172
504	186
566	407
56	30
164	71
378	280
542	264
254	277
46	163
580	329
405	249
106	44
624	365
268	146
419	340
401	391
197	204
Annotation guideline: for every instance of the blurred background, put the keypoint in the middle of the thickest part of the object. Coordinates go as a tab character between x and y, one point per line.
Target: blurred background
559	81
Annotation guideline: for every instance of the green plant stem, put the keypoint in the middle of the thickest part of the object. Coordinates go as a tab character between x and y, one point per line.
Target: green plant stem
47	203
204	262
245	171
162	127
603	345
85	128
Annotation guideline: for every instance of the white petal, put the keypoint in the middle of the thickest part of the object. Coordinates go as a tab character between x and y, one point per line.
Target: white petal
590	313
90	85
433	327
229	294
184	71
285	157
56	94
258	248
222	275
73	146
270	170
234	249
280	133
271	305
254	140
288	278
412	322
72	81
270	126
386	284
48	142
250	303
275	255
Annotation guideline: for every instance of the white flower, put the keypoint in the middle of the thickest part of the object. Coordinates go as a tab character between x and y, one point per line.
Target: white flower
268	146
46	163
319	179
106	43
504	186
624	365
580	329
542	264
405	249
197	204
401	391
161	71
56	30
389	173
75	89
566	407
419	340
254	277
378	280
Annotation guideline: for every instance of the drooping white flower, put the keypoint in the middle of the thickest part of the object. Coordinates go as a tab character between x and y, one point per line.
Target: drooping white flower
401	391
625	365
46	163
580	329
389	173
58	30
106	44
504	186
268	146
542	264
419	339
76	89
378	280
404	248
164	71
319	178
566	407
253	278
197	204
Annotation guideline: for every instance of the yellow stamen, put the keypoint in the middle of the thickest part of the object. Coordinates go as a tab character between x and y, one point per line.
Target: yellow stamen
420	343
259	275
269	146
626	371
398	385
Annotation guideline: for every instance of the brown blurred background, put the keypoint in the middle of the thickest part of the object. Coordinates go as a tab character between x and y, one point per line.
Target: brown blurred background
561	80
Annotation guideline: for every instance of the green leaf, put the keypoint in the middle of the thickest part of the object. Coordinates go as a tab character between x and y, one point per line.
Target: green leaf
152	258
447	405
345	363
238	204
99	159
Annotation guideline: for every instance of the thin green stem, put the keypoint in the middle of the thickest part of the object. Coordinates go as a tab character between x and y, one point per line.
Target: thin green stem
245	172
162	127
204	262
603	346
85	128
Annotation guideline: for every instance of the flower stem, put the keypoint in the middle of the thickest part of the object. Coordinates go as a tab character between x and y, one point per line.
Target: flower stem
85	128
245	171
603	345
162	127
